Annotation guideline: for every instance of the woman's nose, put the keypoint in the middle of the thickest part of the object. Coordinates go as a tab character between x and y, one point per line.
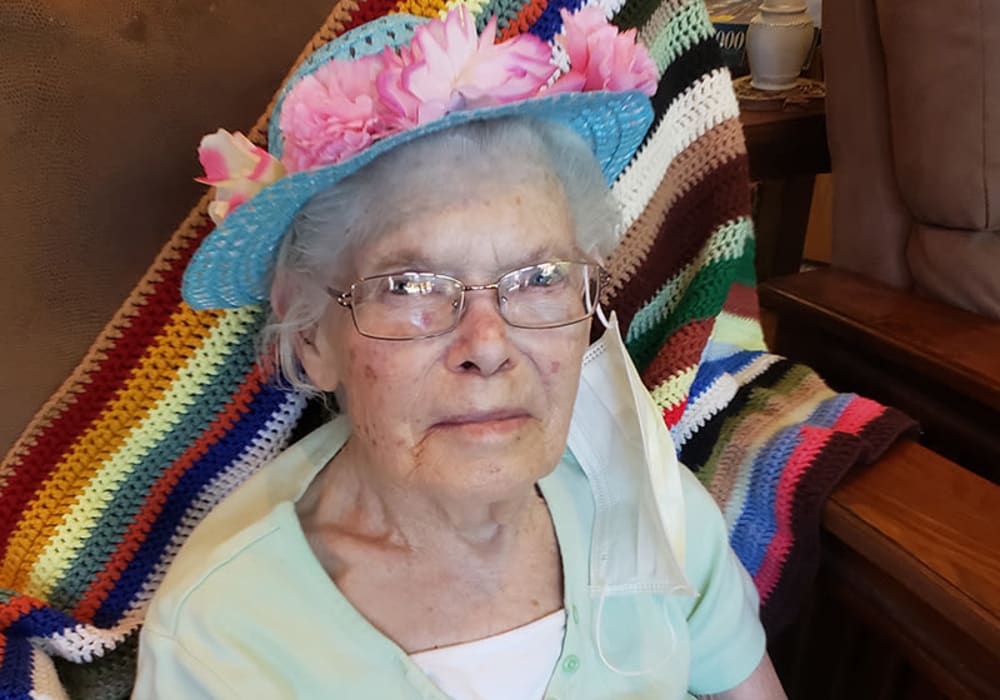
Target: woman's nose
481	339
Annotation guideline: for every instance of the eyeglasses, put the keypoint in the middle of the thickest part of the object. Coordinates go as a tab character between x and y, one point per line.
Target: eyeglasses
413	305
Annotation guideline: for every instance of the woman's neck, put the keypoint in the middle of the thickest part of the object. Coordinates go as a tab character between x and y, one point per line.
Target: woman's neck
361	501
428	571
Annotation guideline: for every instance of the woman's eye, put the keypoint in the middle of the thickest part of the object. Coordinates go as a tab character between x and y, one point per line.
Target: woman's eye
405	287
545	277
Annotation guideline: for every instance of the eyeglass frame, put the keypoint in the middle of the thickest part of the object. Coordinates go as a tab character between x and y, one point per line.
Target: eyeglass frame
343	298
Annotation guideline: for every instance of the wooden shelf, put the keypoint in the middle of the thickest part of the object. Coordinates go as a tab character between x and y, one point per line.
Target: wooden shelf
786	149
788	142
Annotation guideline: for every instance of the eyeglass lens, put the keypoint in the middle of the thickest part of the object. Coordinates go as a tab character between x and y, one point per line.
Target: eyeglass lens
420	304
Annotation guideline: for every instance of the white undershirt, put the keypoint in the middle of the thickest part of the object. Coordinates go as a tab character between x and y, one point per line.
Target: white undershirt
514	665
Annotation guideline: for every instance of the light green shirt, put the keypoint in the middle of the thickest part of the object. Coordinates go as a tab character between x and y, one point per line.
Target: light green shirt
247	611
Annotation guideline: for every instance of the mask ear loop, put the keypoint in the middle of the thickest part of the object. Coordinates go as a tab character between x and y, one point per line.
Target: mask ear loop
597	307
611	666
601	317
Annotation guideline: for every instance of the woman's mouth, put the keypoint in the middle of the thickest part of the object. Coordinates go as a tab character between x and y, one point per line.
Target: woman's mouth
484	422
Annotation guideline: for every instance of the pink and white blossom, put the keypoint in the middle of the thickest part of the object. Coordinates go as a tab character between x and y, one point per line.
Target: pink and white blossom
401	108
237	168
346	105
448	67
600	57
332	114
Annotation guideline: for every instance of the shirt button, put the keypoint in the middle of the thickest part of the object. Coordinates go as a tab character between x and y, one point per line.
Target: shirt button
571	664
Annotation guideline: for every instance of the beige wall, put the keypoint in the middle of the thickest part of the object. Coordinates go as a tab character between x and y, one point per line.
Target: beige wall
819	234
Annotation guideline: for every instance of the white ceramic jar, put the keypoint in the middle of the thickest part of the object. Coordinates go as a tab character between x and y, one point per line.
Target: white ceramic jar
778	42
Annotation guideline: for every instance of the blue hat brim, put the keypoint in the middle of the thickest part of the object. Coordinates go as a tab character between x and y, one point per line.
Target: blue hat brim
232	266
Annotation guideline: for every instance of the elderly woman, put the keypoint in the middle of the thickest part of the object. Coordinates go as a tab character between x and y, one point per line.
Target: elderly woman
496	512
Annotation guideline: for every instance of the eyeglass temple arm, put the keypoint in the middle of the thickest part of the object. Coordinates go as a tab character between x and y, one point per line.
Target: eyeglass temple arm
342	298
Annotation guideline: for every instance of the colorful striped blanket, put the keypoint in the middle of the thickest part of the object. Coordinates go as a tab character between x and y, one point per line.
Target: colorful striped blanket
169	412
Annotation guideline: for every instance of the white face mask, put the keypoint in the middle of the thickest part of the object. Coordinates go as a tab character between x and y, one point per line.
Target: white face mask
618	436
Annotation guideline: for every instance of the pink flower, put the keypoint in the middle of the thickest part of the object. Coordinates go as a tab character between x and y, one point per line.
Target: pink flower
449	68
400	107
344	106
600	58
237	168
332	114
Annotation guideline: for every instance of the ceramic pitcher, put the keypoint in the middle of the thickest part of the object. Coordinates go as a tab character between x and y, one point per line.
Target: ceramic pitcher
778	41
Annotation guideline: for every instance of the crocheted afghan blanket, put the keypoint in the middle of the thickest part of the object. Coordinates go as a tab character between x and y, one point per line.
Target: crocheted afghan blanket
169	412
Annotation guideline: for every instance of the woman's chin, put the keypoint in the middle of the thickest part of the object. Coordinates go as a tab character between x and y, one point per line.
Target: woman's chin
503	457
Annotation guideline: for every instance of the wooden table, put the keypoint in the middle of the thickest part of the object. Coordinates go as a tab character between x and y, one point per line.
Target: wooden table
787	149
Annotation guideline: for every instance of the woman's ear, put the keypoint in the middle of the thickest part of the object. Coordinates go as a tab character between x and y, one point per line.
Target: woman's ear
280	293
318	359
311	345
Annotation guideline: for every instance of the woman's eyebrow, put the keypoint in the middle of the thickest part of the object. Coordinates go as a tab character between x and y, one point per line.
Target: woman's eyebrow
400	260
543	253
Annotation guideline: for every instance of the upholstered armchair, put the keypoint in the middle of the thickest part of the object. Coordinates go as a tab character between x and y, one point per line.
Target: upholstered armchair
913	117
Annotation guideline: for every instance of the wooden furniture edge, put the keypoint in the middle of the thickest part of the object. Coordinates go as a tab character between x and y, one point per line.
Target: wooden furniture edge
955	663
808	295
960	588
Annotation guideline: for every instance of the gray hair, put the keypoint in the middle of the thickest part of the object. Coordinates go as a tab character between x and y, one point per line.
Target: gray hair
424	175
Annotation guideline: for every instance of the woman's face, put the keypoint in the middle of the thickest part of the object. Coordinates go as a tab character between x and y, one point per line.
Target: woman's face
482	411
